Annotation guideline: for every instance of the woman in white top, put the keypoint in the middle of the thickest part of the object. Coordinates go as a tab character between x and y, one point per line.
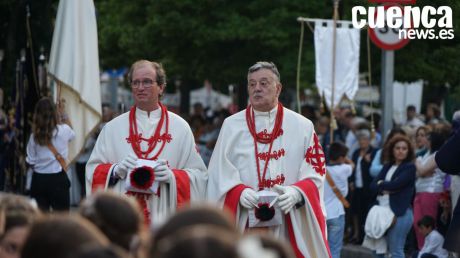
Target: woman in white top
50	184
429	186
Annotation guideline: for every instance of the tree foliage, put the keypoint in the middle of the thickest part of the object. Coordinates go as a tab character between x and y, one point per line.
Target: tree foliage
220	39
211	39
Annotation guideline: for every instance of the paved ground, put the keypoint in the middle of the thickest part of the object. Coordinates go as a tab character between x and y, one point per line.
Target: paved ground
355	251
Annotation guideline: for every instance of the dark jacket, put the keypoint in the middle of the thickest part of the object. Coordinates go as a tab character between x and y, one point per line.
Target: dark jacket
447	158
365	166
401	186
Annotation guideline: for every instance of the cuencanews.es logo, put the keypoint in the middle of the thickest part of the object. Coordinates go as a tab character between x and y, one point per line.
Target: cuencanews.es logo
405	19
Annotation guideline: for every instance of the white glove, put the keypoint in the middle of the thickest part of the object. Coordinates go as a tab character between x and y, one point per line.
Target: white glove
289	196
125	166
162	172
249	198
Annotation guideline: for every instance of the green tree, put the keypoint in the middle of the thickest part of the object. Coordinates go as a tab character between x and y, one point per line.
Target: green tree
201	39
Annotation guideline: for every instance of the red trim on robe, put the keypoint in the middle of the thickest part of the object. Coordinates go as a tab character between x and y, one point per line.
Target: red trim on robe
311	191
232	199
100	175
292	240
182	187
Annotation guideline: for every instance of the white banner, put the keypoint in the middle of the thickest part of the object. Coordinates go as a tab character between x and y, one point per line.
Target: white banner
405	94
346	60
74	62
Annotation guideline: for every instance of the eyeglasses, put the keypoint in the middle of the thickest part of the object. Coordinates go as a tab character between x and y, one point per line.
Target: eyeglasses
147	83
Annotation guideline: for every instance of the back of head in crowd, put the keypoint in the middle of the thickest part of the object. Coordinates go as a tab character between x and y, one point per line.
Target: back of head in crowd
117	216
17	215
44	121
337	150
198	242
61	236
11	203
195	216
101	252
258	245
393	132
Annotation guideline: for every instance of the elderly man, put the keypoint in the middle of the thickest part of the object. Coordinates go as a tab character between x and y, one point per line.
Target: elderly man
269	147
148	132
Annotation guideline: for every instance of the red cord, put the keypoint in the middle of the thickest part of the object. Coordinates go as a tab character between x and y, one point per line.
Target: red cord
135	138
250	120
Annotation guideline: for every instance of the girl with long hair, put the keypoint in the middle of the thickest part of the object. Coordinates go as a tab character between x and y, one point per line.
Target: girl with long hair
50	184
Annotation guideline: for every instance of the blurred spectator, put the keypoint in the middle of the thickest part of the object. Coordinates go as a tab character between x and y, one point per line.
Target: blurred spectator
377	162
433	114
263	245
209	135
101	252
444	213
344	118
360	182
50	184
429	185
395	187
447	160
80	165
119	218
421	140
107	115
17	214
198	111
8	144
3	146
432	239
196	216
351	140
198	242
309	112
322	128
61	236
412	120
339	169
211	100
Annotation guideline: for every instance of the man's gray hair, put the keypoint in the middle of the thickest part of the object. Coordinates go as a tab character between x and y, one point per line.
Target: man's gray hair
265	65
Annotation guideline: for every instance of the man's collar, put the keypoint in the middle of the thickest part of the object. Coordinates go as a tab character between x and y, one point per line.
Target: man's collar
145	114
266	113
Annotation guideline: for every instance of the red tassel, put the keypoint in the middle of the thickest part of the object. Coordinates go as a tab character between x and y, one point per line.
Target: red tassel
142	200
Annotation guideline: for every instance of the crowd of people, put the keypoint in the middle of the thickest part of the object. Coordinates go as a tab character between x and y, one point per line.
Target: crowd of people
390	192
264	182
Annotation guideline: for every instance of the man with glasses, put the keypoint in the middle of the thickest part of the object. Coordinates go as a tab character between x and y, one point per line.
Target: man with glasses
148	134
270	148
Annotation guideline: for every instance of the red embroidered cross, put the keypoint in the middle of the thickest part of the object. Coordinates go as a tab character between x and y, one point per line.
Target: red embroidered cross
315	156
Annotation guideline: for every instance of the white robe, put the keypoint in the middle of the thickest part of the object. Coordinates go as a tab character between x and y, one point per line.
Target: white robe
190	174
233	167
